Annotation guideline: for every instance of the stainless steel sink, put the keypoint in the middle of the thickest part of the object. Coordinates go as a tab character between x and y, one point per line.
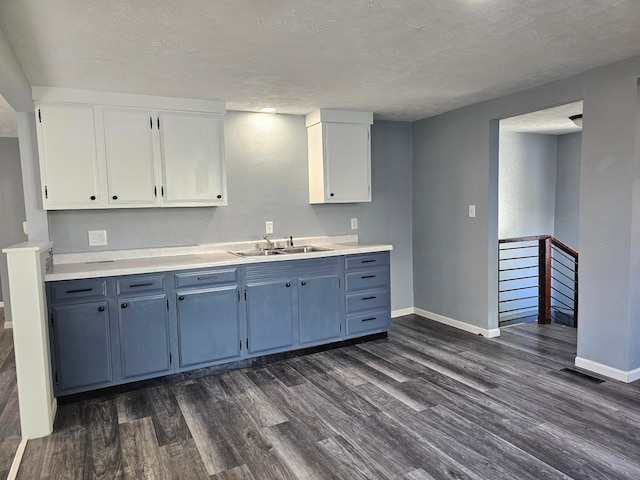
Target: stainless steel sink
279	251
257	253
304	249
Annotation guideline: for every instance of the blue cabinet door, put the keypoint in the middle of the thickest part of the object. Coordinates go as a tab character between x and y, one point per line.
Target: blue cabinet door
144	336
270	315
208	326
319	308
82	343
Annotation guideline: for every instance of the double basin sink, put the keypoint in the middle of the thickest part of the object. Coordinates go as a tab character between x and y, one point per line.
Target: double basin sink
279	251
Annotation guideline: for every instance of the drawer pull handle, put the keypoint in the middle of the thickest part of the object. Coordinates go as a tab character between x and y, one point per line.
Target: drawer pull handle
368	261
207	277
368	276
368	298
124	305
80	290
101	309
137	285
181	298
369	319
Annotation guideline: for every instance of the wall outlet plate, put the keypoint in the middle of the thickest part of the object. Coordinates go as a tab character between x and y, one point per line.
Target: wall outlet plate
268	227
354	224
97	238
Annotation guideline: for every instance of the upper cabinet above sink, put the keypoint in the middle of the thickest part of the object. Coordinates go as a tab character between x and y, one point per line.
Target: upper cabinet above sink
103	150
339	149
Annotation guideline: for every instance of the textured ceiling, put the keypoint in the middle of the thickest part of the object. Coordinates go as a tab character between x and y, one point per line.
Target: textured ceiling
403	60
552	121
8	126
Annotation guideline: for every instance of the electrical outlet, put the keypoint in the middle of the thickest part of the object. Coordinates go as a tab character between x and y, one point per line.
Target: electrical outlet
268	227
97	238
472	211
354	224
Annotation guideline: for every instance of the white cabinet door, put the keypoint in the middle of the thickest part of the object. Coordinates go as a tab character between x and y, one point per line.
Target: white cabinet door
129	156
68	163
347	162
192	149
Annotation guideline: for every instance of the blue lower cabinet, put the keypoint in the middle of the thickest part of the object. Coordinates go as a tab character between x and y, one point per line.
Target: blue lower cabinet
319	309
270	315
82	346
144	336
208	326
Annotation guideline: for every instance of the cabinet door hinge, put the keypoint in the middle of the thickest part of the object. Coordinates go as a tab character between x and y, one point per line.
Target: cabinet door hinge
162	191
39	116
245	294
155	191
151	123
240	345
46	192
247	344
158	123
339	283
167	304
238	291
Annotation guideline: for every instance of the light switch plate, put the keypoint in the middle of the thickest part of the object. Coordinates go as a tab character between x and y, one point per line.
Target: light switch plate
268	227
472	211
354	224
97	238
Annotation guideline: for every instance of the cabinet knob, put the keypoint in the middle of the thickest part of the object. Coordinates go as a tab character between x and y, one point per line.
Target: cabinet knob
124	305
115	197
303	283
288	285
219	196
181	298
101	309
331	194
92	197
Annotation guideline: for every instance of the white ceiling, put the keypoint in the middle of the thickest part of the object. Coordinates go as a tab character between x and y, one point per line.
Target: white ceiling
402	59
552	121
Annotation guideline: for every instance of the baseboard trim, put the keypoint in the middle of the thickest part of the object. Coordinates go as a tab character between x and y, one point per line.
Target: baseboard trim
17	460
467	327
1	304
626	376
402	312
8	325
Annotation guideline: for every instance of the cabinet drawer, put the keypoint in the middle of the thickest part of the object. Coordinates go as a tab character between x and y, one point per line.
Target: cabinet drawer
367	279
143	283
370	300
68	290
367	260
206	277
379	320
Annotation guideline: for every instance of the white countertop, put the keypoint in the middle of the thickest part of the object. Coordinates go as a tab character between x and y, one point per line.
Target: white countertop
114	263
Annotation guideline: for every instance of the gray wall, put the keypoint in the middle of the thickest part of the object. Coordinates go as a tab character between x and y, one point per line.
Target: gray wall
455	165
266	158
567	214
11	207
526	185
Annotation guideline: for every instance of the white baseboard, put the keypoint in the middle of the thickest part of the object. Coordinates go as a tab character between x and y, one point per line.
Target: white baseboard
467	327
17	459
2	304
626	376
8	325
402	312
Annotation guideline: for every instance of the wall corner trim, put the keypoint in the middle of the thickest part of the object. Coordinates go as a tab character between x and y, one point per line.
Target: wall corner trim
467	327
402	312
626	376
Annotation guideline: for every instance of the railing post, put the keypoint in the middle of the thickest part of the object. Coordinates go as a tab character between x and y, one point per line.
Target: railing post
544	280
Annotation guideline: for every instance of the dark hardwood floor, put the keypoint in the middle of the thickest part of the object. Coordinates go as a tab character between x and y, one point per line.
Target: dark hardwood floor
428	402
9	413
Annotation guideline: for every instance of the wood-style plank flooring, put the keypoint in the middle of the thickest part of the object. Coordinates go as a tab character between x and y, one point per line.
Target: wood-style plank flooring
429	402
9	412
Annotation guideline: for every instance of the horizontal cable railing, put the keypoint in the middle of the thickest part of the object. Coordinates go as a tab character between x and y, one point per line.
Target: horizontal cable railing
538	280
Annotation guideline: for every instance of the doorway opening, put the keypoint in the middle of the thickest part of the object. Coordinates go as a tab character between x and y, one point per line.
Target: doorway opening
538	216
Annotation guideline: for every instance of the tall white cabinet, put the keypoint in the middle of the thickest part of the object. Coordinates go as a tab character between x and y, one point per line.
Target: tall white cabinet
339	155
100	150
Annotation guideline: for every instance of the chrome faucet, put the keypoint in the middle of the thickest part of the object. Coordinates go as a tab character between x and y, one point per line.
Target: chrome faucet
269	243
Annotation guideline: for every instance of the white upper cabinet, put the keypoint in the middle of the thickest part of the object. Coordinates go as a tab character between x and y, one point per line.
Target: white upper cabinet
339	148
192	146
100	150
130	159
68	160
